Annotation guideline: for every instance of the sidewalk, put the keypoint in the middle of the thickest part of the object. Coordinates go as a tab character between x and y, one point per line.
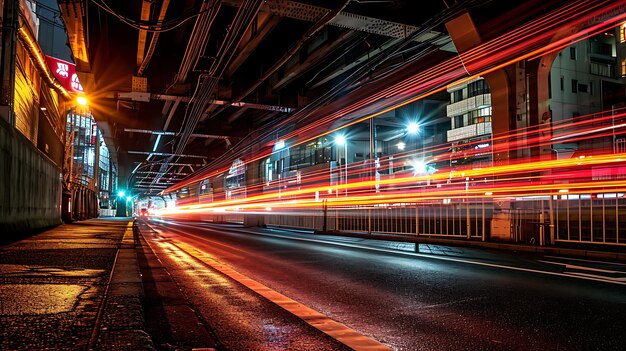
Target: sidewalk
53	287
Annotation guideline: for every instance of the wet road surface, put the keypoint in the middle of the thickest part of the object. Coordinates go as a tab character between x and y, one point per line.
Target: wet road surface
452	299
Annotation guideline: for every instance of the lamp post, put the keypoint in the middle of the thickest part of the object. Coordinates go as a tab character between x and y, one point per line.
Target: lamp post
341	141
413	128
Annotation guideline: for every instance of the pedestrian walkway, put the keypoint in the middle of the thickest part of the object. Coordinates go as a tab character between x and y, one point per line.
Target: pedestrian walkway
73	287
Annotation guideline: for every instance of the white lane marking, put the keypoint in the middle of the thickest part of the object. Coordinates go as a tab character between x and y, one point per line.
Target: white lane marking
573	266
584	260
323	323
593	275
450	259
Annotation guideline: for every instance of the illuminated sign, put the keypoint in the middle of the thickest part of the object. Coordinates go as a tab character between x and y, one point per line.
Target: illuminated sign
236	168
65	73
279	145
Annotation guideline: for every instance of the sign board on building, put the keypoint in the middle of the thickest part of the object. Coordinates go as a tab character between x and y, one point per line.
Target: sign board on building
65	73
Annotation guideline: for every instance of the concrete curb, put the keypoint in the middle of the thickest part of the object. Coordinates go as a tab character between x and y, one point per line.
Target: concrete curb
123	325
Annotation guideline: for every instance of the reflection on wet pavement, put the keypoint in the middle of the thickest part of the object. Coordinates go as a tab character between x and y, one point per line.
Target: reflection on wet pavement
41	298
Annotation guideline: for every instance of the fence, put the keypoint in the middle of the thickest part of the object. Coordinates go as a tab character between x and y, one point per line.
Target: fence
593	218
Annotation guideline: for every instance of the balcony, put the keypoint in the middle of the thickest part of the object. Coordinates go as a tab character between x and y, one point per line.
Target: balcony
603	69
470	131
469	104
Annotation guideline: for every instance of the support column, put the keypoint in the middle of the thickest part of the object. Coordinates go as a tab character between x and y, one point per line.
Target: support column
466	36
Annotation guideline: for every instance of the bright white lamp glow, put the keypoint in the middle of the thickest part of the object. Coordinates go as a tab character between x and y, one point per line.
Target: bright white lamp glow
81	100
128	198
340	140
401	146
412	128
419	167
121	193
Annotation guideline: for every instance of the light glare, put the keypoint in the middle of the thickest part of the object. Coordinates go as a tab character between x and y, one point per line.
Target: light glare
412	128
81	100
340	140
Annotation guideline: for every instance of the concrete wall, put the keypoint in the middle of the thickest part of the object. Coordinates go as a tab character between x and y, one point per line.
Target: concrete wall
30	185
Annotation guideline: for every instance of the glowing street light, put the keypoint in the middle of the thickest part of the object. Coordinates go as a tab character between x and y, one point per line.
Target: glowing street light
81	100
419	167
401	146
128	198
121	193
340	140
412	128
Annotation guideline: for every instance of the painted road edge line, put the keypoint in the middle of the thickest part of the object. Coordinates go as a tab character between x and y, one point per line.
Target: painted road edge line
321	322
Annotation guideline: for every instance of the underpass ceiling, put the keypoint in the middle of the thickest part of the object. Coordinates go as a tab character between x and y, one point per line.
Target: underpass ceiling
267	54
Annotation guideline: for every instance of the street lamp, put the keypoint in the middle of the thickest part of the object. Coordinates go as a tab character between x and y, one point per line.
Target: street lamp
121	193
81	100
413	128
342	141
401	145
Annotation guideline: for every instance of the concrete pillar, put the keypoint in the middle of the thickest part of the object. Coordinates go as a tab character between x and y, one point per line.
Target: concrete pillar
520	96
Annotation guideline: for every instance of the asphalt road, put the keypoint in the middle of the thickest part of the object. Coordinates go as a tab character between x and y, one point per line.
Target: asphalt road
440	299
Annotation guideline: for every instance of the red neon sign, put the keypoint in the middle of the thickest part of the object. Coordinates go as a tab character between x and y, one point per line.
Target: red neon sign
65	73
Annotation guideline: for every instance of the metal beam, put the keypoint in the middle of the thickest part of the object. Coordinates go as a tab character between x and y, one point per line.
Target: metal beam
145	179
266	23
151	183
311	13
147	97
159	132
299	68
366	56
152	172
146	6
163	154
174	164
153	41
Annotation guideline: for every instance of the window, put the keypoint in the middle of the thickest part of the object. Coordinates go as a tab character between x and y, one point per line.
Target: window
456	96
620	146
480	116
574	86
582	88
622	33
478	87
562	83
458	121
591	87
572	53
623	67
